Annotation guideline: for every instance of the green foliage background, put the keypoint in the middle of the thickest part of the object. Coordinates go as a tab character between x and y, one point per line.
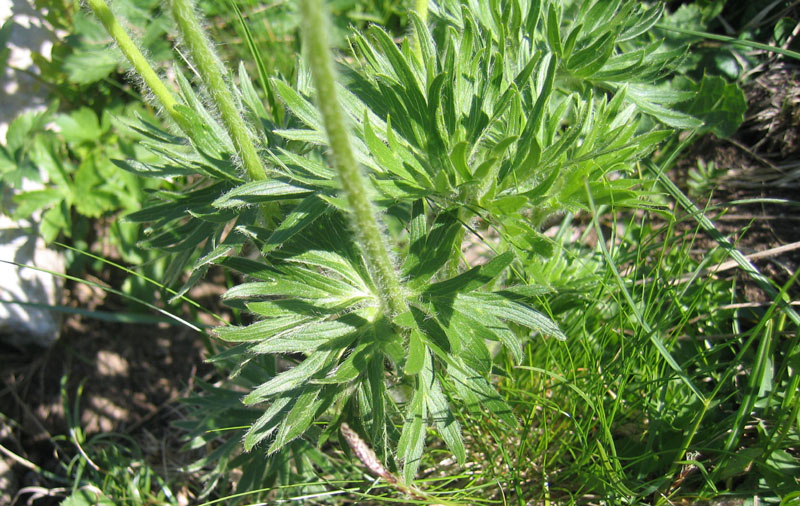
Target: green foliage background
479	123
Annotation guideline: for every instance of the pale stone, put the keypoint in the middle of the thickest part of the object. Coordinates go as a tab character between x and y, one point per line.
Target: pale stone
30	322
23	325
30	34
8	482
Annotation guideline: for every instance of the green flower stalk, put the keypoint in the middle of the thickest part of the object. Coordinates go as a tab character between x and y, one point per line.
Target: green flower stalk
209	67
363	215
138	60
421	7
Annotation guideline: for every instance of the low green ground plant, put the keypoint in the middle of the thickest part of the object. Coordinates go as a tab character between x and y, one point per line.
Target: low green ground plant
406	315
109	468
56	164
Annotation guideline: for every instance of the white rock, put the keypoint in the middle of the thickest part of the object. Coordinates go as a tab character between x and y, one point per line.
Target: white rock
30	322
30	33
8	483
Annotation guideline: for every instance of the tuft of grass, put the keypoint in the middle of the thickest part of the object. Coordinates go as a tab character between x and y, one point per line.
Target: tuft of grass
604	415
109	468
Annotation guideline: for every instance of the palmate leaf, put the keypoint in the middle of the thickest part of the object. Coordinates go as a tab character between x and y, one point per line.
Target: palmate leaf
416	353
446	424
458	323
510	113
428	398
467	318
464	92
301	108
352	366
302	216
257	112
263	330
153	132
314	302
317	362
314	336
269	421
207	133
489	326
435	250
653	105
372	391
452	322
478	395
307	407
298	282
312	298
151	170
175	205
390	160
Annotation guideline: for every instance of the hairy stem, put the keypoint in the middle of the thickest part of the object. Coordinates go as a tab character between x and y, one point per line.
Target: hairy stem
421	8
138	60
363	216
210	69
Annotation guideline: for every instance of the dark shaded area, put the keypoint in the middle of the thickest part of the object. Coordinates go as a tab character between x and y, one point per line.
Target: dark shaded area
754	178
119	383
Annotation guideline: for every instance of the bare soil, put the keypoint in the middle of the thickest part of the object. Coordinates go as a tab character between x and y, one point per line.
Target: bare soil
756	200
105	378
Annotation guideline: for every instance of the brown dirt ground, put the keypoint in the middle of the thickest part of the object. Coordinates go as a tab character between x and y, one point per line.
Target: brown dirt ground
127	379
760	162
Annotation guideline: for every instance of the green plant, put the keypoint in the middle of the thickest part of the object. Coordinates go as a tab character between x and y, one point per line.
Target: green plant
108	469
104	469
489	122
67	150
602	414
703	178
77	164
